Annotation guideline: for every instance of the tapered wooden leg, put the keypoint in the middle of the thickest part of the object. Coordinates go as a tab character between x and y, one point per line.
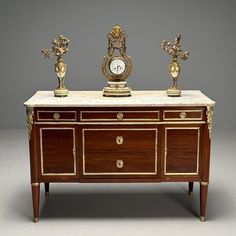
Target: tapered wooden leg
46	185
190	189
36	196
203	199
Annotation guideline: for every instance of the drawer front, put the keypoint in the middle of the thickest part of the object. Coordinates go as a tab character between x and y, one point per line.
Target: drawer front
119	115
56	115
119	151
183	114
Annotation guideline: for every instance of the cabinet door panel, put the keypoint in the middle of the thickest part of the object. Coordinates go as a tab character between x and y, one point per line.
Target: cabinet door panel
182	150
57	147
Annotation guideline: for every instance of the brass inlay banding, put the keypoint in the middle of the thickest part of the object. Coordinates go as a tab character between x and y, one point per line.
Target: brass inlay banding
41	151
121	123
119	173
34	184
198	151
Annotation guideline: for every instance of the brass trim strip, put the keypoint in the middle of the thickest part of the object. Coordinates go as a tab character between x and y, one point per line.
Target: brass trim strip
75	113
41	152
34	184
198	151
119	173
204	183
123	112
120	123
165	111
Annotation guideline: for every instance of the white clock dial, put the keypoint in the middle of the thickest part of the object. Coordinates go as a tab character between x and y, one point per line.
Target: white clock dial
117	66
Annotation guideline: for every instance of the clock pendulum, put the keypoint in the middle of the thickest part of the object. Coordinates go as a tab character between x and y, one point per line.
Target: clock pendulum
116	65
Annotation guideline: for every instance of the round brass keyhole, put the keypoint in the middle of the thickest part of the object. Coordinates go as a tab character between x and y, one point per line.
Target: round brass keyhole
182	115
119	140
119	116
56	116
119	164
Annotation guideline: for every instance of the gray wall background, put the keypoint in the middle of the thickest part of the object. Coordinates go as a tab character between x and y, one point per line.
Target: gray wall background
208	29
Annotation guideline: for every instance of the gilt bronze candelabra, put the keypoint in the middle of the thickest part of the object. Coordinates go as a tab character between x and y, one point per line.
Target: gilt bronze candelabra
59	48
174	49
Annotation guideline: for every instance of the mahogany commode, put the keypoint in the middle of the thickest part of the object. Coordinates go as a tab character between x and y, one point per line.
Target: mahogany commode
148	137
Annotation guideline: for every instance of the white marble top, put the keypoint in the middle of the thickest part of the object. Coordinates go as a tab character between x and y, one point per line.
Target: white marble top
138	98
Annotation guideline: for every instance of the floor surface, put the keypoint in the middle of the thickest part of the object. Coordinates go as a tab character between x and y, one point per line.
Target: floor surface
116	209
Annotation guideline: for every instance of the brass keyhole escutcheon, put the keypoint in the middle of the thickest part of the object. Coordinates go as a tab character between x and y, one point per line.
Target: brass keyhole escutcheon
56	116
119	140
119	116
119	164
182	115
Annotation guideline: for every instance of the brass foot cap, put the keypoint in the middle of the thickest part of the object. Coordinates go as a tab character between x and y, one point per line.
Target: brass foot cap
36	220
190	194
202	218
46	194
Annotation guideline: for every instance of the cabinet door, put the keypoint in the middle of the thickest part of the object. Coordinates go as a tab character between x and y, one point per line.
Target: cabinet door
57	151
181	150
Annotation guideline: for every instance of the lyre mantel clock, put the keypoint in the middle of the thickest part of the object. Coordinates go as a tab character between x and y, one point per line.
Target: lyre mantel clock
116	65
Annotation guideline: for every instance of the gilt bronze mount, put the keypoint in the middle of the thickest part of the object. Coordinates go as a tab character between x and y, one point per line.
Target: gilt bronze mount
174	49
59	48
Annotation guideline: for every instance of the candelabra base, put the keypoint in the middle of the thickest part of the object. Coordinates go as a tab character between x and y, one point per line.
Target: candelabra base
61	92
173	92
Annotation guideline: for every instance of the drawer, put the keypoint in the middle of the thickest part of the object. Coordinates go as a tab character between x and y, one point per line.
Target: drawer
56	115
183	114
119	151
119	115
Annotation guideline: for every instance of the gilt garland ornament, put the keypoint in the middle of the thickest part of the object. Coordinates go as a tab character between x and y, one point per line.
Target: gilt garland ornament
174	49
59	48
